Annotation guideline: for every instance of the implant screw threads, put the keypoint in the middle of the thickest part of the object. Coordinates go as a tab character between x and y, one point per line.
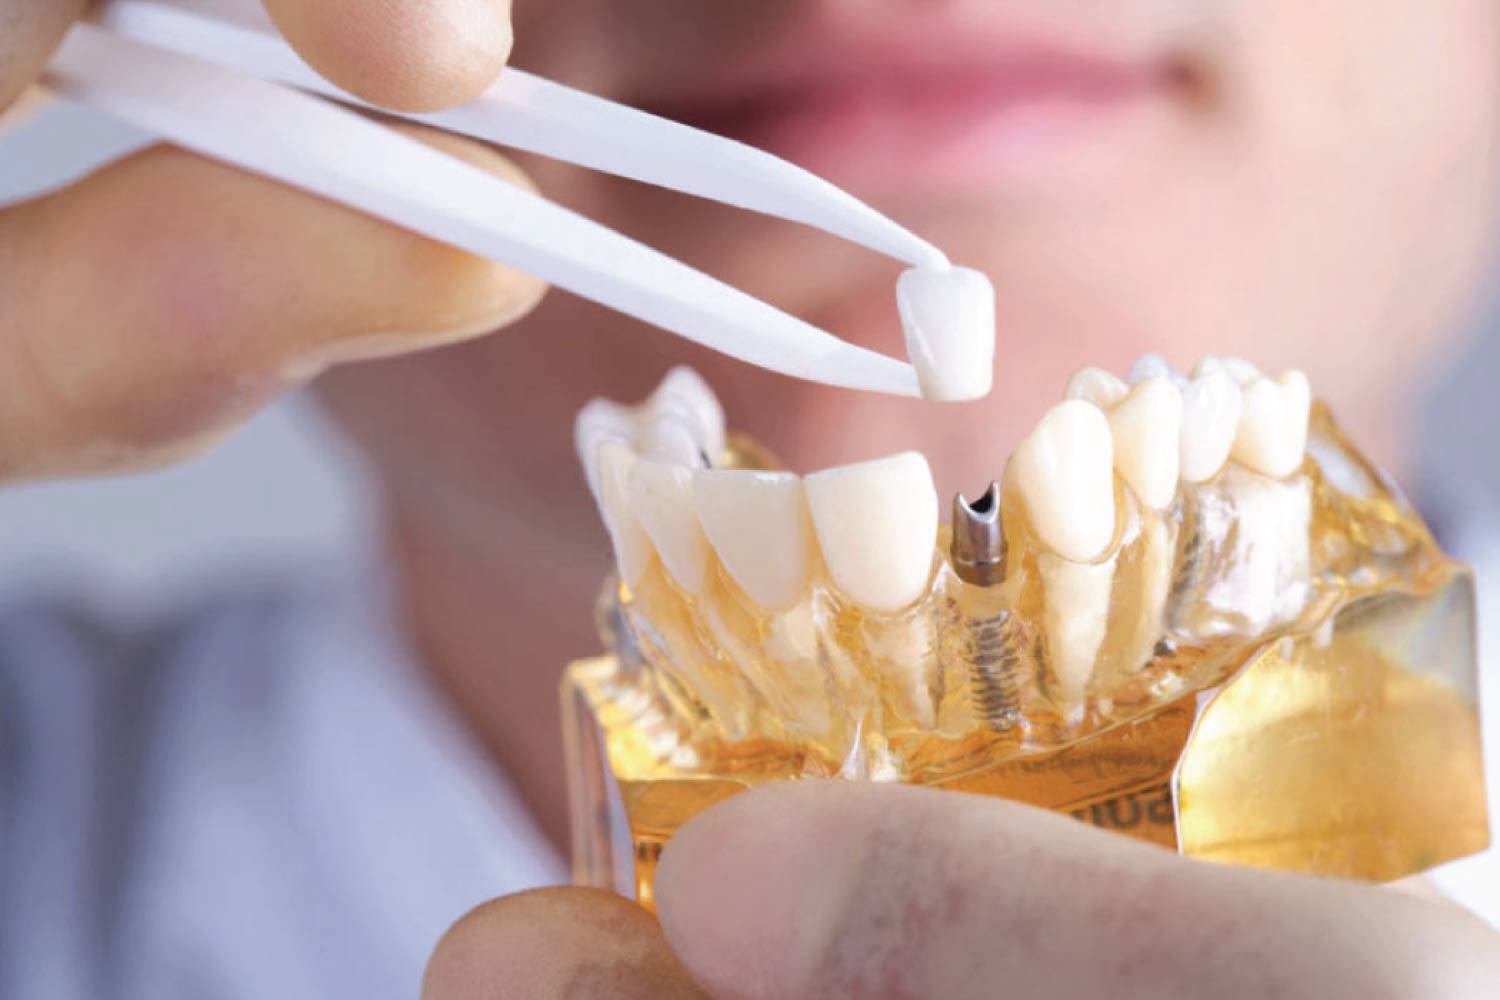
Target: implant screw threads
978	555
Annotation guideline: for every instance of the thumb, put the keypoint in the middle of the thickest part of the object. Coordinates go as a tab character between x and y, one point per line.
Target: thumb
843	889
155	304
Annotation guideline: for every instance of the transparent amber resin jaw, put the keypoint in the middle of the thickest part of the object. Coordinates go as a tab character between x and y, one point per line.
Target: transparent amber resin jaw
1272	671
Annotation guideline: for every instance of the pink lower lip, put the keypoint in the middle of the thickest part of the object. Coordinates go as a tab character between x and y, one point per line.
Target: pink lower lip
969	128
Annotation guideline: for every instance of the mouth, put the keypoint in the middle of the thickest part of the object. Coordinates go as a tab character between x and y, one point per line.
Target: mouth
986	101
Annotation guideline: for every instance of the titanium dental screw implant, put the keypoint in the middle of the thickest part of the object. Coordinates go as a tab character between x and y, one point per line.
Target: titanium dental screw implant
978	554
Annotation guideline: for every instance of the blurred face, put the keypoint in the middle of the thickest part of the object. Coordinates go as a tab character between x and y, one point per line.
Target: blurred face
1302	182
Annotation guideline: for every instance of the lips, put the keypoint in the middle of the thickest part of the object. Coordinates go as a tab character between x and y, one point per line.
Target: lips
932	97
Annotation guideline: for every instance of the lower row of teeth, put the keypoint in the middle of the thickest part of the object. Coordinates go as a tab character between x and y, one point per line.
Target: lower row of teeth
1139	509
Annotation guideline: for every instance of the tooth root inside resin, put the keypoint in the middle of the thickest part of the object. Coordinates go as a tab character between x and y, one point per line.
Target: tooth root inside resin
949	319
662	495
877	525
1210	419
1150	578
1065	472
631	544
1075	619
1146	426
1272	434
760	527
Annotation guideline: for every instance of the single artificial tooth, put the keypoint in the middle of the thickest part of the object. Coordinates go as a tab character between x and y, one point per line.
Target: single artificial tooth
662	495
1065	473
685	392
1210	415
1075	616
949	319
1242	371
759	525
672	438
599	421
631	543
877	523
1272	434
1151	366
1146	426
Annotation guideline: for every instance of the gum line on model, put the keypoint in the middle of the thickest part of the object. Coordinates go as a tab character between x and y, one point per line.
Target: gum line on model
1187	609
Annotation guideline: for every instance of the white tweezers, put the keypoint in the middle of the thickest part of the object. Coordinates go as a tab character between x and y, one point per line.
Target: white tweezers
241	94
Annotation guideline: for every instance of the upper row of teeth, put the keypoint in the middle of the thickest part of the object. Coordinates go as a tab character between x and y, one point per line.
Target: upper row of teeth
874	524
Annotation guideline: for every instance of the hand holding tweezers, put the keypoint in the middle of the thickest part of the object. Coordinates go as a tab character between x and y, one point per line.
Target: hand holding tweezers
241	95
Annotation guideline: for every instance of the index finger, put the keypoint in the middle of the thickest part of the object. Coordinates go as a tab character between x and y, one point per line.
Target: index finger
407	55
29	31
849	889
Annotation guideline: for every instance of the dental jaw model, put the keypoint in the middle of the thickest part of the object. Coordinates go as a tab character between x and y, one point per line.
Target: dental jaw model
1187	610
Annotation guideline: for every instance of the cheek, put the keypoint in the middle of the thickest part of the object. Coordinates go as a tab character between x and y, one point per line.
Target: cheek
1360	165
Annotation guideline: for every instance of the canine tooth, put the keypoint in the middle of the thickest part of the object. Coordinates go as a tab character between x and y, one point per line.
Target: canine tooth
1210	415
1095	385
631	543
1146	426
672	438
1065	473
1075	616
662	495
684	392
599	421
949	319
877	523
1151	366
759	525
1272	434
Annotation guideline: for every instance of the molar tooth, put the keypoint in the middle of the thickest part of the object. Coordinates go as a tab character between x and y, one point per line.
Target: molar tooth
1095	385
1075	616
1272	434
1146	426
600	420
759	524
1210	415
684	392
949	319
1151	366
1065	472
877	523
631	543
1242	371
662	495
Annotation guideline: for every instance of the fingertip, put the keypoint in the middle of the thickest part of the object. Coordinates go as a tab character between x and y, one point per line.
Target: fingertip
401	55
555	943
28	34
748	891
